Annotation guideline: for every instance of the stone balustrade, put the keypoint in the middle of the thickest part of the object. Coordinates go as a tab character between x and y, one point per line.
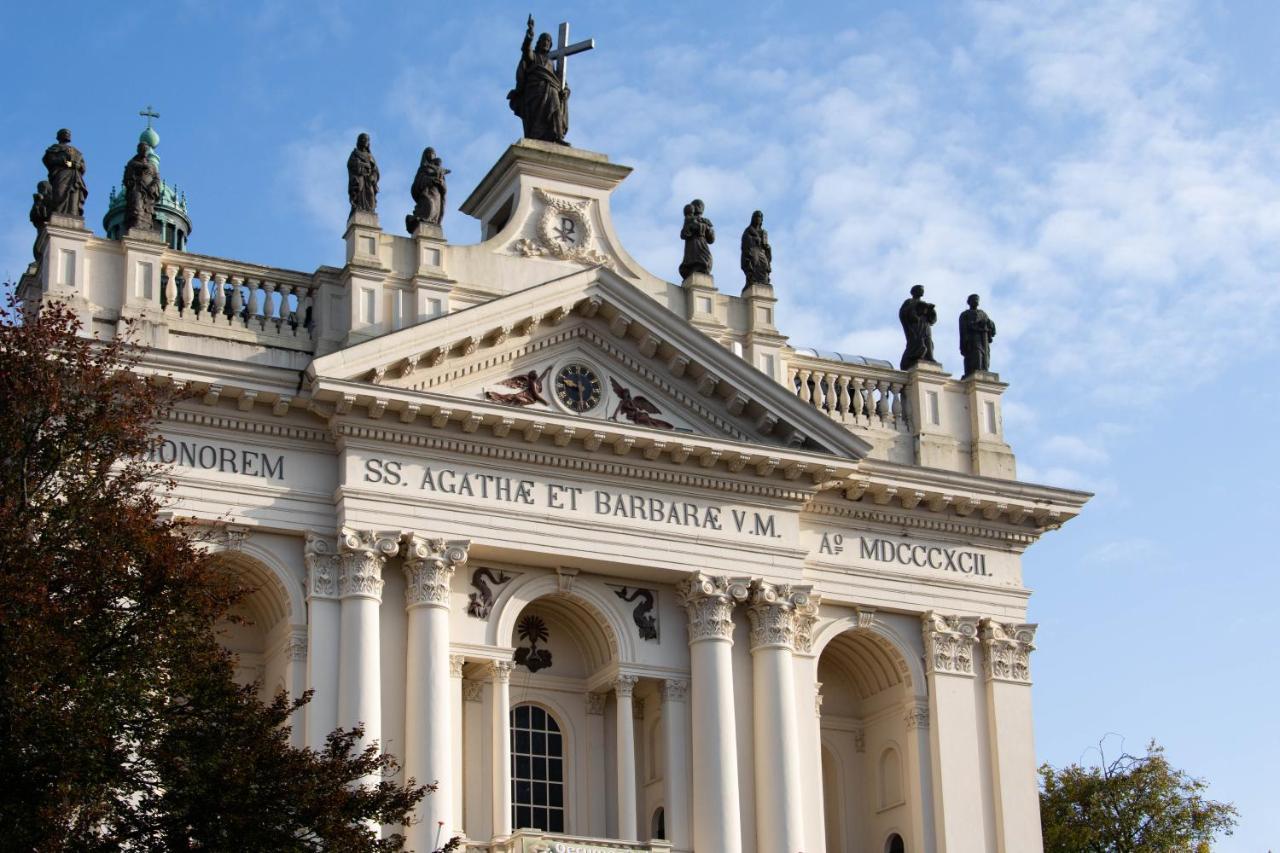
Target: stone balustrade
861	395
216	294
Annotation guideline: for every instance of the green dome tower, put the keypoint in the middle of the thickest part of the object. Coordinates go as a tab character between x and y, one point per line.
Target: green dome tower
171	220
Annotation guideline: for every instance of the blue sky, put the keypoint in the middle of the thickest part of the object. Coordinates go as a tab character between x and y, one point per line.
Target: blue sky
1105	173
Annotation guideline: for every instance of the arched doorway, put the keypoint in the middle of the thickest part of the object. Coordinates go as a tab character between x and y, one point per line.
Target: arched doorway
866	766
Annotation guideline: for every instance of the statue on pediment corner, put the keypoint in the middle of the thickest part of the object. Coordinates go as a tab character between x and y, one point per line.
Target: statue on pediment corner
976	332
39	215
698	234
757	254
540	98
65	165
362	177
917	318
428	191
141	183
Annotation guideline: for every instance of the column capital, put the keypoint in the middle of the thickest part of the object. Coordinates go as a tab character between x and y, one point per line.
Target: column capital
948	643
500	670
772	610
1006	650
708	600
472	690
320	553
675	690
595	704
916	715
456	662
296	644
363	553
428	569
624	685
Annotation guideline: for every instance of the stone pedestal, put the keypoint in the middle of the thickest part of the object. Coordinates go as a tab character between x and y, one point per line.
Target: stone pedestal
989	455
931	421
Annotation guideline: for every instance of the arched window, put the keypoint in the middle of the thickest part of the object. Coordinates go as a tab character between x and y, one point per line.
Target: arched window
895	844
658	825
890	778
537	770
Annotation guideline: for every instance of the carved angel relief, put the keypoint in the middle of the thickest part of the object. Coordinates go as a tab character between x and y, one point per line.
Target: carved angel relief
529	391
636	409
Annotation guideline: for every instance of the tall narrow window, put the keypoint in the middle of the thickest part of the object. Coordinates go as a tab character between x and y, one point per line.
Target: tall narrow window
537	770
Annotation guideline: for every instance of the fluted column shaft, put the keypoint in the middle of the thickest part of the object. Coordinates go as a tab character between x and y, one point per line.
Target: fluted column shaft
323	639
428	735
362	556
456	663
500	679
623	688
772	611
675	728
709	603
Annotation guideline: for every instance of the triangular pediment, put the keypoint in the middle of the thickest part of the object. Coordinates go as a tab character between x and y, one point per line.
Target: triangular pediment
642	364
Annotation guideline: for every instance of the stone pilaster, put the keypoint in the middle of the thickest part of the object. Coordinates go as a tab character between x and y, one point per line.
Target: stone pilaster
430	709
500	680
676	744
1006	664
624	727
952	720
709	601
320	555
772	609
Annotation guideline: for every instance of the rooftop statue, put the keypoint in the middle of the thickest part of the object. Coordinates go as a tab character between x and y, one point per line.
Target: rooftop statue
540	97
976	332
428	192
141	184
757	254
362	177
66	175
39	214
698	234
917	318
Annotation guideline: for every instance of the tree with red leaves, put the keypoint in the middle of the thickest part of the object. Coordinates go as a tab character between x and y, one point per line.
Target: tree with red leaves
121	727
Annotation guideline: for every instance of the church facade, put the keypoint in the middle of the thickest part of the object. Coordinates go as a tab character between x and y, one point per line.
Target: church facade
601	555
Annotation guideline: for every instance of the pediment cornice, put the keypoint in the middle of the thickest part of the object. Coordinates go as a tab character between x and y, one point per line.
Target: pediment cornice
673	347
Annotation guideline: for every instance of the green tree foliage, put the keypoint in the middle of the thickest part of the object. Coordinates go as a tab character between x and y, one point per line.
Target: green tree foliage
121	726
1129	804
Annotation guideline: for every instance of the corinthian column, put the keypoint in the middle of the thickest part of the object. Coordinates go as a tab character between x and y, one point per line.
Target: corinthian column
953	731
623	688
675	729
709	603
362	555
322	639
500	674
772	611
428	727
1006	664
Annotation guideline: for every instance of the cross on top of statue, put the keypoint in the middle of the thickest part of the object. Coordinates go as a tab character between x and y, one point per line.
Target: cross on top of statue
149	113
564	50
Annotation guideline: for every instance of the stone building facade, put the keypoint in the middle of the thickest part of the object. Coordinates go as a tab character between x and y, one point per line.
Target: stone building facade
601	554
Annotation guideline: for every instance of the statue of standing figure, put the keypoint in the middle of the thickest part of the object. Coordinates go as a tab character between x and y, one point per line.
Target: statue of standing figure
66	177
976	332
540	98
39	214
917	318
428	192
757	255
141	184
698	234
362	177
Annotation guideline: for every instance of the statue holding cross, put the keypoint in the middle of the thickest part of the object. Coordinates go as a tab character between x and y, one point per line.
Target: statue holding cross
541	95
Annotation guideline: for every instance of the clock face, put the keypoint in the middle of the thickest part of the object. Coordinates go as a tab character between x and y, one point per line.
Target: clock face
578	387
